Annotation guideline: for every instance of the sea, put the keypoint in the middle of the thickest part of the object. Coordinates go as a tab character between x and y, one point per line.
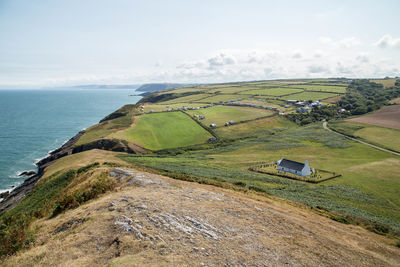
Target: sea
35	122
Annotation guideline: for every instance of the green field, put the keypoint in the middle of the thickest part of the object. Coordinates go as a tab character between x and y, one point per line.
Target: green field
309	96
274	91
322	88
381	136
221	114
164	130
385	82
368	189
189	98
253	128
165	107
225	97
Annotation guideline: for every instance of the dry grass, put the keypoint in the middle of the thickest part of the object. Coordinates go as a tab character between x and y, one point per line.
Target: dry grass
178	223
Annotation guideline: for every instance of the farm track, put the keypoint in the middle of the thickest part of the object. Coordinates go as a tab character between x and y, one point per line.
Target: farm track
325	125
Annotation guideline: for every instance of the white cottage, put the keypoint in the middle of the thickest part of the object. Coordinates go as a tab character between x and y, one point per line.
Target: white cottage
294	167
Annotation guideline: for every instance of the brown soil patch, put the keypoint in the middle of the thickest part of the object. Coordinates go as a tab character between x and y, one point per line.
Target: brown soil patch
386	117
157	221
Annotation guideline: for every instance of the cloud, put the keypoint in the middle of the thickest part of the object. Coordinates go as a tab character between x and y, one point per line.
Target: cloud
387	41
318	69
349	42
325	40
297	55
221	60
362	58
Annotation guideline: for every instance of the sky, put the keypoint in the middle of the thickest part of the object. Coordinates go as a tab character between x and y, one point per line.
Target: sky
71	42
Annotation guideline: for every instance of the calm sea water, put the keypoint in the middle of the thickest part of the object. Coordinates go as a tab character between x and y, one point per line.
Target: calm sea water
34	122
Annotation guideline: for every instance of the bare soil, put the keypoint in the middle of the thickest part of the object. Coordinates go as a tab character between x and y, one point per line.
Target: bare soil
158	221
386	117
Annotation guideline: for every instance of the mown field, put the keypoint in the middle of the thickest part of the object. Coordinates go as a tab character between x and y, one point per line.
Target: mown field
309	96
368	189
386	117
322	88
274	91
158	131
381	136
385	82
221	114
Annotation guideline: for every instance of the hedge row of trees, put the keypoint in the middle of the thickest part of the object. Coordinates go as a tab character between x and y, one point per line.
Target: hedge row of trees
362	96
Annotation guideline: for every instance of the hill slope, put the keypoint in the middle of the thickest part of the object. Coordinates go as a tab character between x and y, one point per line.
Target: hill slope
157	221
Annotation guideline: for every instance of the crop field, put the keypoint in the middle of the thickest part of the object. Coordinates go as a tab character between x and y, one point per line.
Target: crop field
253	128
367	190
381	136
184	99
182	90
230	90
164	130
321	88
274	91
333	99
221	114
165	107
386	117
385	82
309	96
224	98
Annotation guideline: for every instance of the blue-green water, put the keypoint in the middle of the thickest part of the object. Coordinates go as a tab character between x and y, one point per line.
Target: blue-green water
34	122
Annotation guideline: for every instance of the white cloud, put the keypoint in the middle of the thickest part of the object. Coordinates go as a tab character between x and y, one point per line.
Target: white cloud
387	41
221	60
349	42
318	69
362	58
297	55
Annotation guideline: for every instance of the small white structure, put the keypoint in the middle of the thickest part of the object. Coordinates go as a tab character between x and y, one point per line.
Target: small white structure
294	167
213	125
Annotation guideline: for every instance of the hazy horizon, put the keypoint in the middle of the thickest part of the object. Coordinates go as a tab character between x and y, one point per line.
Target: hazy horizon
68	43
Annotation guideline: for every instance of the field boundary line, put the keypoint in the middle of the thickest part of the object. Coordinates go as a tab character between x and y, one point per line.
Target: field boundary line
325	125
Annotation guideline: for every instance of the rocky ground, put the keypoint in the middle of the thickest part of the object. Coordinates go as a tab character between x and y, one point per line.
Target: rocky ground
156	221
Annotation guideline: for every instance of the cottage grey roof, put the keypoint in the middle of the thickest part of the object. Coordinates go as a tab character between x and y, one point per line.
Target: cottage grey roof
290	164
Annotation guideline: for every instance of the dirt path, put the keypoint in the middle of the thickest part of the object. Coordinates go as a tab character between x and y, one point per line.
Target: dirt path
158	221
325	125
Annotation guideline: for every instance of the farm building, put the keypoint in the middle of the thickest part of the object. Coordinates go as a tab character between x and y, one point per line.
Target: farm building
294	167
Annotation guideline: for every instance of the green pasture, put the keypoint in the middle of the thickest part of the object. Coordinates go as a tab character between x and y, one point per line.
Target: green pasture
274	91
189	98
268	125
381	136
385	82
221	114
165	107
156	131
321	88
368	189
224	98
309	96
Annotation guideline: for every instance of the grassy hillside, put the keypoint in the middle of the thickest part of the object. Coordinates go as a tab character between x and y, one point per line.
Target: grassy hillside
164	130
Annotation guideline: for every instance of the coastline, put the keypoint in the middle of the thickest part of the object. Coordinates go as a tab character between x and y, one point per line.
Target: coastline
19	192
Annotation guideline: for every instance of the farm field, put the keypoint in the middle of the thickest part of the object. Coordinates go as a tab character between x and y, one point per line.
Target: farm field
274	91
189	98
223	98
253	128
309	96
323	88
381	136
385	82
164	130
388	116
221	114
165	107
333	99
395	101
367	190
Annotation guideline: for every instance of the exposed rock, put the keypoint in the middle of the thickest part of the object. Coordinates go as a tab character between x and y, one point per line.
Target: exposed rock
70	224
27	173
4	194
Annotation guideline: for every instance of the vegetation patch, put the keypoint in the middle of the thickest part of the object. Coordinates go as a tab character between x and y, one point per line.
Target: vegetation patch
316	177
165	130
309	96
274	91
222	114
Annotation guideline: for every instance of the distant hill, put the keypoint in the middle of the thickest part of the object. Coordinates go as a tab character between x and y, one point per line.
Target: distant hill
151	87
108	86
